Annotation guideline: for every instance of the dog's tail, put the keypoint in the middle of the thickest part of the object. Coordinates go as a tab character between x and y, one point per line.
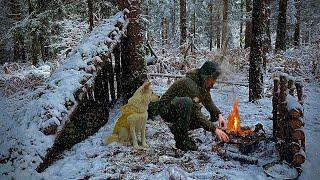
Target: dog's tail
112	138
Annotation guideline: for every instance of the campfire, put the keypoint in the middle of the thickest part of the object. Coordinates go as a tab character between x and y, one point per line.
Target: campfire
233	127
245	139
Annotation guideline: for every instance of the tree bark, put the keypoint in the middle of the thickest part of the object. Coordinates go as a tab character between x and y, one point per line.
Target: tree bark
248	31
30	8
164	31
282	26
173	22
183	22
267	22
193	26
210	29
90	14
218	29
132	56
225	27
275	100
256	53
296	36
241	22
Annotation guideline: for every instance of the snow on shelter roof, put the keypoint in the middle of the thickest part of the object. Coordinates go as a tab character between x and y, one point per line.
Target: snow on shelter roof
49	104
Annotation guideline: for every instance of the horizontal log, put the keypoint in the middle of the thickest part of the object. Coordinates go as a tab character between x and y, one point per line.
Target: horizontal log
293	107
294	147
296	123
299	158
181	76
298	134
295	113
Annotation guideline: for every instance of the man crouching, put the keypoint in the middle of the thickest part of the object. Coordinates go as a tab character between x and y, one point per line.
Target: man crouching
180	105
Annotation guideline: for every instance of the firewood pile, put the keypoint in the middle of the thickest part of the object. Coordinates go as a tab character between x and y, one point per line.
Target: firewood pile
288	119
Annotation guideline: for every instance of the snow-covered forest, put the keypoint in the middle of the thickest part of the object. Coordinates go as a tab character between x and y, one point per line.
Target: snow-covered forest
68	69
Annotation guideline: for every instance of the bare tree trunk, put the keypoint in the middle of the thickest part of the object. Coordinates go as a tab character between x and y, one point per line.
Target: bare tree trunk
267	21
282	26
183	21
30	8
256	53
248	31
164	32
210	29
132	56
241	22
218	30
90	14
266	41
173	22
296	36
193	26
15	16
225	31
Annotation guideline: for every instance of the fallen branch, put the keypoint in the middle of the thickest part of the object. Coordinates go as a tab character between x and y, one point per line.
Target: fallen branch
181	76
237	157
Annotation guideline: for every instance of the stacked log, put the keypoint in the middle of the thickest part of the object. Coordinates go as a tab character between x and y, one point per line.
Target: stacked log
288	120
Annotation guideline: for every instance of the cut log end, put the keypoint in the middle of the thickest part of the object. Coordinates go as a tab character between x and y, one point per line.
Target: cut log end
299	158
296	123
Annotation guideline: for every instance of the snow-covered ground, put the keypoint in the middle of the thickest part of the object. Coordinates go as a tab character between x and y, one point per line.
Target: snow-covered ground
95	160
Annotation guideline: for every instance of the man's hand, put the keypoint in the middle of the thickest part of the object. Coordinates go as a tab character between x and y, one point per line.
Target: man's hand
222	135
222	122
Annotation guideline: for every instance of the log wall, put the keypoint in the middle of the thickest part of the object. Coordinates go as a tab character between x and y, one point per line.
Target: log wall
288	120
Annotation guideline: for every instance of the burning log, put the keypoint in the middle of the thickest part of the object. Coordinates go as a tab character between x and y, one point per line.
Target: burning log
299	158
296	123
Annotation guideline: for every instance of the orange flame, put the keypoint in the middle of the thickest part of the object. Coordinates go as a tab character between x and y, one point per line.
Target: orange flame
234	118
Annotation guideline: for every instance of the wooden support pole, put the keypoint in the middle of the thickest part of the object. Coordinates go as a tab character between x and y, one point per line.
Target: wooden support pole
290	86
299	88
282	106
117	58
275	110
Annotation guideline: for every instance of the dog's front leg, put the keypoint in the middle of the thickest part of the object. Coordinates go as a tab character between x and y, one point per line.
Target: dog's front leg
132	123
143	133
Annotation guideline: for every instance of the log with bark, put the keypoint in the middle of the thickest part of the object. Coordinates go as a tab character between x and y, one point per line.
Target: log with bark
282	106
296	123
294	108
294	147
275	106
290	86
297	135
299	158
299	87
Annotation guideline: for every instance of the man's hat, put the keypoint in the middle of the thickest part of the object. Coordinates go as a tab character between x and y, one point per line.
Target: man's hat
210	68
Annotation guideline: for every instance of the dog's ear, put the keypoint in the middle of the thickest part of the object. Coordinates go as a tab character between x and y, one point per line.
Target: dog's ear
146	86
